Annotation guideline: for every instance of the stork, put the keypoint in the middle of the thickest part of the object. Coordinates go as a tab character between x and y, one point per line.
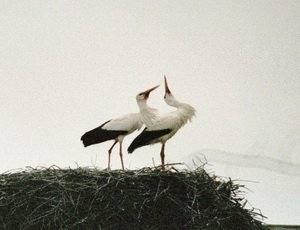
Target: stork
117	129
165	126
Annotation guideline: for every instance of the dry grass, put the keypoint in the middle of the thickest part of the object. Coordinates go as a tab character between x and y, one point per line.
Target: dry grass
149	198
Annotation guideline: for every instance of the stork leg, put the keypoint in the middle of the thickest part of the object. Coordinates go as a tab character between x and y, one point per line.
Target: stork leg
162	155
109	153
121	155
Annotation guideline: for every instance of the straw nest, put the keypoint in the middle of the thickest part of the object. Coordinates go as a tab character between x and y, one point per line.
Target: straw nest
149	198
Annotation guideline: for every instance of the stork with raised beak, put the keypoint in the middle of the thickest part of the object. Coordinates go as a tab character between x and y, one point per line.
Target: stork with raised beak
164	127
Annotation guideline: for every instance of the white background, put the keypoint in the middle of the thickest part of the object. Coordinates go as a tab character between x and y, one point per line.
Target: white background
68	66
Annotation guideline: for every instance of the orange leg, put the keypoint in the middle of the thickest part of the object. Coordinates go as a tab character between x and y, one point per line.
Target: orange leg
121	155
162	155
109	153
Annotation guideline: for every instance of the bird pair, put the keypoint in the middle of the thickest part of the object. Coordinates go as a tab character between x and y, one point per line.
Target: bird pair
158	129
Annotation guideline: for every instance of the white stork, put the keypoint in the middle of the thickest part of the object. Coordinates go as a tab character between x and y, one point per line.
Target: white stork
165	126
117	129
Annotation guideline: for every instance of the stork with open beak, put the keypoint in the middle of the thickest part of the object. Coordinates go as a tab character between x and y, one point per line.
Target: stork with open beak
164	127
117	129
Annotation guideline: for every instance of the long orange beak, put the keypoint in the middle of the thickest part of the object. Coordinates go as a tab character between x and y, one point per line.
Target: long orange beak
167	90
147	92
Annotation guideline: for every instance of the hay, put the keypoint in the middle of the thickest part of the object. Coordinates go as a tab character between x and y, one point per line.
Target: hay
149	198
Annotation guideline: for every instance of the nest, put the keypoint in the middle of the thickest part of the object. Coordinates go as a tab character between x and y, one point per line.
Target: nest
149	198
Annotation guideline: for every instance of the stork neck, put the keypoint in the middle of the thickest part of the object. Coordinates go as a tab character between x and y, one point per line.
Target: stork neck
142	104
175	103
148	114
186	110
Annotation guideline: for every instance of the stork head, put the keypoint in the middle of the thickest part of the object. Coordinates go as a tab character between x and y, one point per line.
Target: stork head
168	95
167	90
145	95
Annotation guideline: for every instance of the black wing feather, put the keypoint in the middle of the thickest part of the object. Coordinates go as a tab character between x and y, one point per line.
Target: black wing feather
146	137
99	135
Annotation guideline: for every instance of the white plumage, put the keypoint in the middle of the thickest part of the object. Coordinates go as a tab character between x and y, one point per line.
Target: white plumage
164	127
129	122
117	129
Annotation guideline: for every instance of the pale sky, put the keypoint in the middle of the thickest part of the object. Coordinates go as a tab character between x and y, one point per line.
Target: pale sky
68	66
